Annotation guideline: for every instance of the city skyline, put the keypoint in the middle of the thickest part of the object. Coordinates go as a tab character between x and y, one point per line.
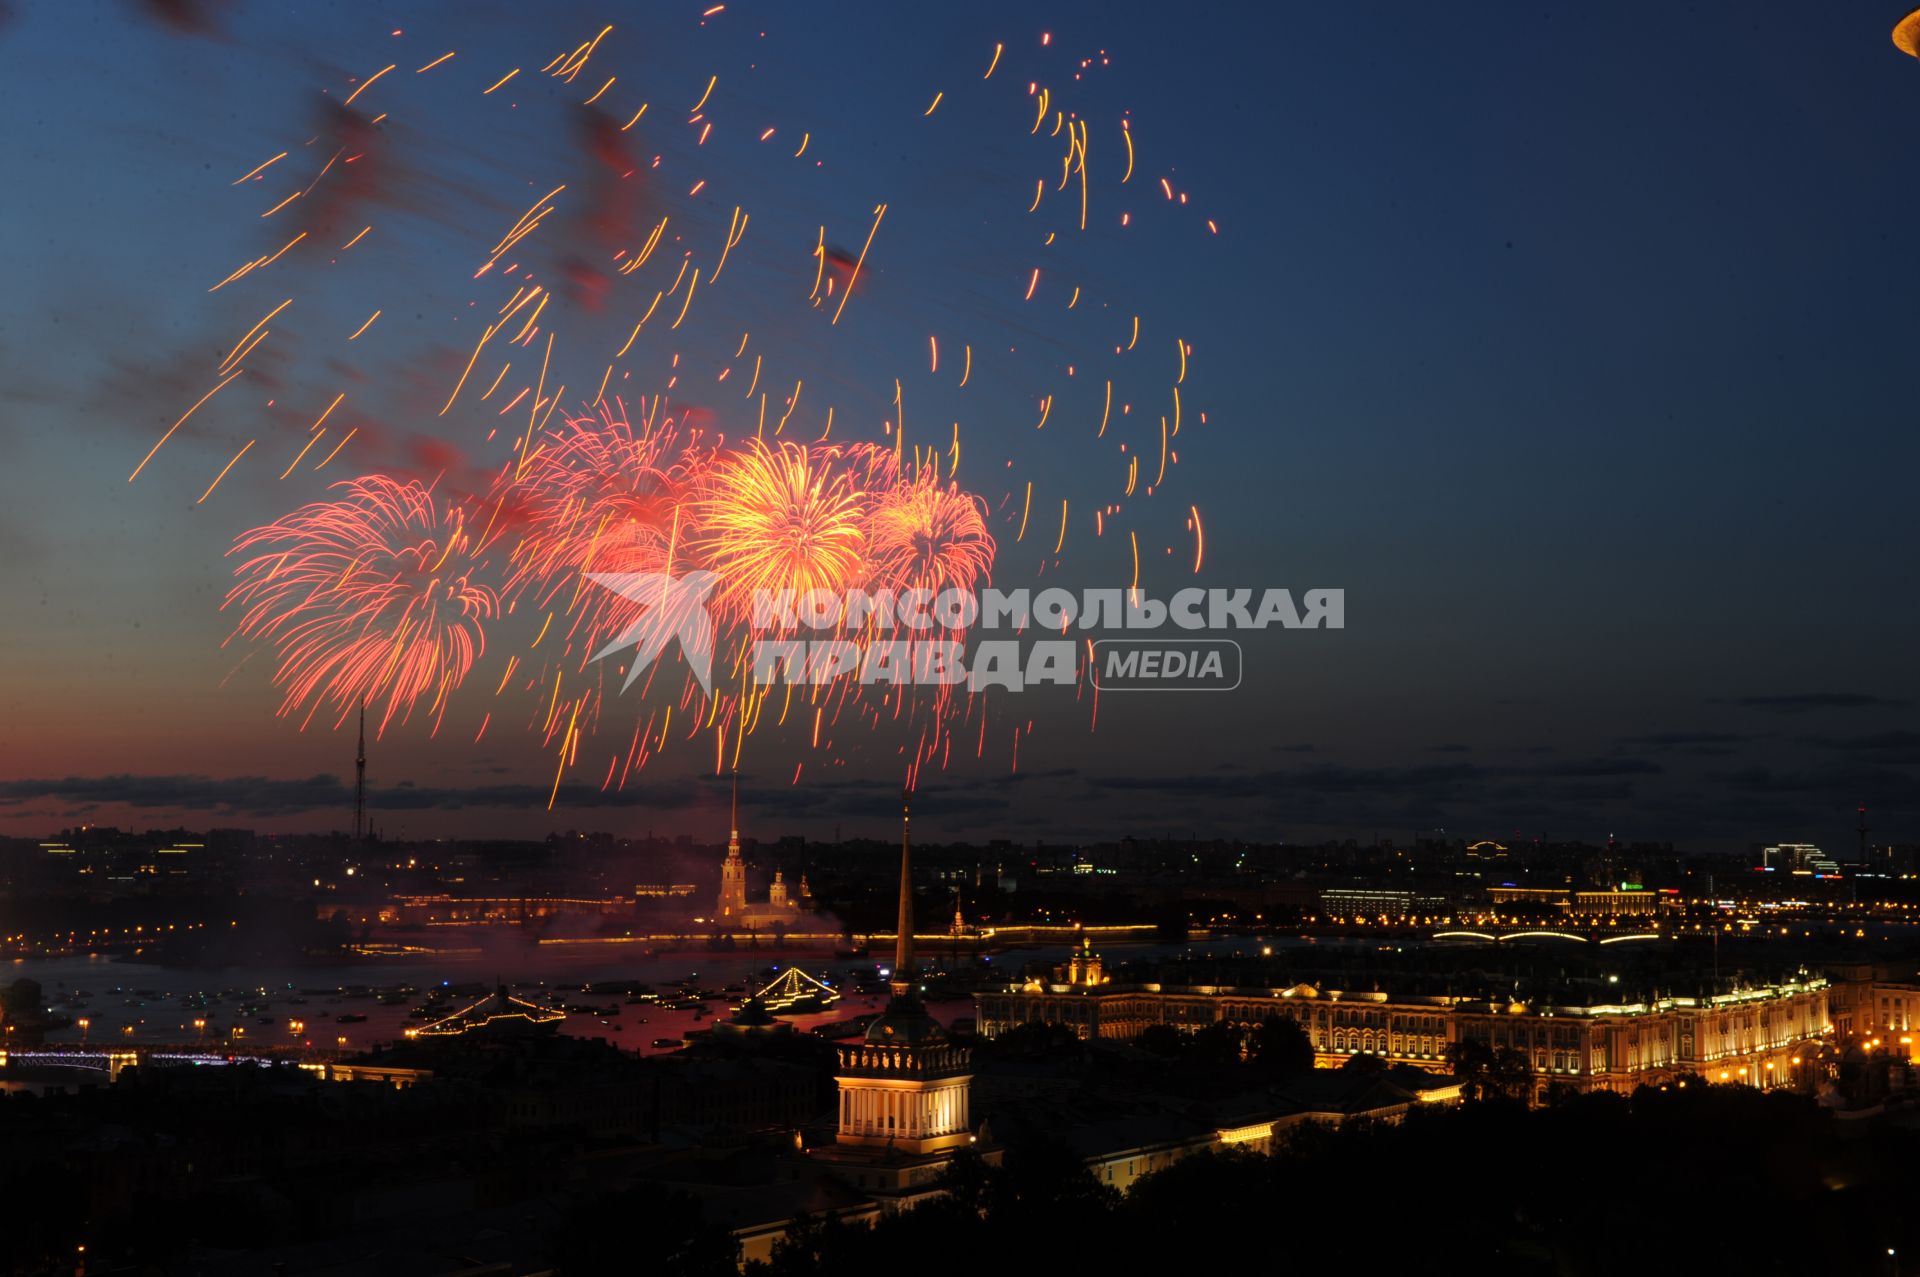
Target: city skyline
734	638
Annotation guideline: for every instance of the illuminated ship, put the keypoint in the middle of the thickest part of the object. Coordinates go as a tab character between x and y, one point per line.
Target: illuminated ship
498	1012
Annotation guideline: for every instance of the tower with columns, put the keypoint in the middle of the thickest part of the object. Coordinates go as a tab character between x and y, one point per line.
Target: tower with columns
904	1087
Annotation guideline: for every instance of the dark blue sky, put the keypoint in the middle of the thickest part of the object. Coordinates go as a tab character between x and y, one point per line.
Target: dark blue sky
1573	342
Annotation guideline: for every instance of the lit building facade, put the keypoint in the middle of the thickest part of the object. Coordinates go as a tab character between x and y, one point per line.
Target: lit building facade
1763	1035
909	1096
1876	1005
1359	902
1799	858
1606	902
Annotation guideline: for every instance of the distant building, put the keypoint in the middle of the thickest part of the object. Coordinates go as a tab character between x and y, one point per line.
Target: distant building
1797	857
781	909
1876	1001
1612	902
1361	902
1760	1034
751	1022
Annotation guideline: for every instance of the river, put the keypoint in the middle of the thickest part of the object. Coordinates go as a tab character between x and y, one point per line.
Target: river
133	1002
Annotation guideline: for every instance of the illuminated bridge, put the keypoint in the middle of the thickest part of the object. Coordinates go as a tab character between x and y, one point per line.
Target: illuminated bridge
110	1060
1506	934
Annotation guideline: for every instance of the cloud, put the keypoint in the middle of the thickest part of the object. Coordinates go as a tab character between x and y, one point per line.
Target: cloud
1802	702
1426	778
267	796
1894	748
1837	788
1596	767
965	803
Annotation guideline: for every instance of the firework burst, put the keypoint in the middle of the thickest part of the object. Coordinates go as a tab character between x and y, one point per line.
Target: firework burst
775	519
367	597
928	536
600	496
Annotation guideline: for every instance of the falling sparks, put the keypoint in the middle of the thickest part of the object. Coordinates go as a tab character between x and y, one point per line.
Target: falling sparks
854	277
223	472
368	83
183	421
527	489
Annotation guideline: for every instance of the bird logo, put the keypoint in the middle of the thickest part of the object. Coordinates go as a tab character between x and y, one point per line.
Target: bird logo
670	608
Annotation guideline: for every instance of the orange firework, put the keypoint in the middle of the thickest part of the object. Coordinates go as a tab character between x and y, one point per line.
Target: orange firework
780	518
925	536
365	597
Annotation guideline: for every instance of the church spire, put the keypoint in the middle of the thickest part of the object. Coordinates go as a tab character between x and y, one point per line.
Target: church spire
733	871
902	982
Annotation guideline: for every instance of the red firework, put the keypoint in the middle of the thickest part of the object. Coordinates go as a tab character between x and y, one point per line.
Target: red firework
365	597
602	496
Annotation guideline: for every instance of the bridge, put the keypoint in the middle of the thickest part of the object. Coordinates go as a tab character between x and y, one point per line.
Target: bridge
1502	935
110	1060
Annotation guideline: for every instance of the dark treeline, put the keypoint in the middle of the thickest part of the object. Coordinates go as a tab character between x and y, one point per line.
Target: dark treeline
1701	1178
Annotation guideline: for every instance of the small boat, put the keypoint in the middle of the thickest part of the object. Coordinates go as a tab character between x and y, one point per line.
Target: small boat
349	1019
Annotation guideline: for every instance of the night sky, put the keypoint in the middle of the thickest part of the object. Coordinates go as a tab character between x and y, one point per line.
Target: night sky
1573	342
